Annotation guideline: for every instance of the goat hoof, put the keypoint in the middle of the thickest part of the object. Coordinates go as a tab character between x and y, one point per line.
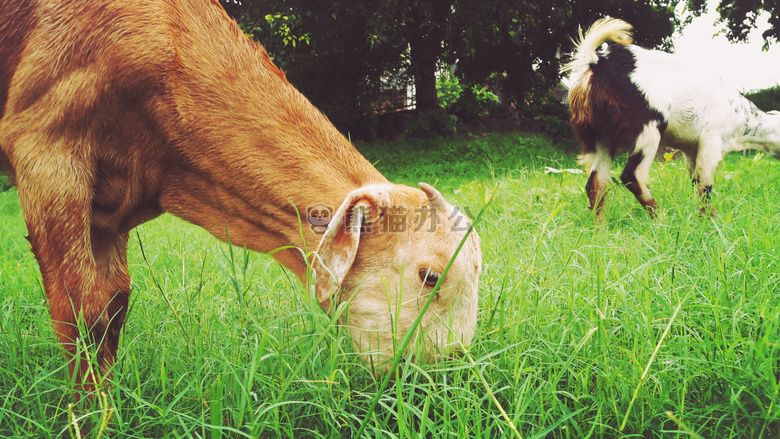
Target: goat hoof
708	211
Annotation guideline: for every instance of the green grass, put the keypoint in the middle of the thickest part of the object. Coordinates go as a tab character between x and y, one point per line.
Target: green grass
638	328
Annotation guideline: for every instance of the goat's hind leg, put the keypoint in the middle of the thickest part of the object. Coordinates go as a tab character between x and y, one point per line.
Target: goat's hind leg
599	163
702	171
55	190
637	170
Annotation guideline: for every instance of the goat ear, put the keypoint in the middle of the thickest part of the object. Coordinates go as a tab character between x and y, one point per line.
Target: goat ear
339	245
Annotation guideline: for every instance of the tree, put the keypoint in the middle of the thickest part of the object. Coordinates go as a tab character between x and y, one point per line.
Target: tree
342	54
740	17
518	45
420	26
425	23
326	50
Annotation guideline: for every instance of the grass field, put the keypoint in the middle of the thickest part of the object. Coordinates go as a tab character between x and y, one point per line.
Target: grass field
637	328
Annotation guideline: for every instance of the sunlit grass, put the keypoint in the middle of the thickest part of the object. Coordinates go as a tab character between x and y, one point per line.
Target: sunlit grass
640	327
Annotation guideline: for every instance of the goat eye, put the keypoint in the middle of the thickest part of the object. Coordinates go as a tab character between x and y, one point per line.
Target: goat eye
429	278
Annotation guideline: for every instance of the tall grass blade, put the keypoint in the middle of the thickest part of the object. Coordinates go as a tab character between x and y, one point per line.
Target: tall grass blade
649	363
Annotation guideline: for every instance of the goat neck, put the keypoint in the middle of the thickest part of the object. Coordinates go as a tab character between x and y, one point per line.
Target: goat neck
257	152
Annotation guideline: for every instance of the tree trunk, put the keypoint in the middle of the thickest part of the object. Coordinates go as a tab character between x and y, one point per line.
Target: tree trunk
426	44
424	56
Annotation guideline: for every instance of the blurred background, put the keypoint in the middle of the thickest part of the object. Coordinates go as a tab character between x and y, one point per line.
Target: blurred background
381	69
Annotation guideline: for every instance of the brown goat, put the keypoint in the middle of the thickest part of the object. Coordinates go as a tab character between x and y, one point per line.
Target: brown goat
113	112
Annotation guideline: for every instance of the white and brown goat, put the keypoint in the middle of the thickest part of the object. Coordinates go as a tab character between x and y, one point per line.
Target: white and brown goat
113	112
624	98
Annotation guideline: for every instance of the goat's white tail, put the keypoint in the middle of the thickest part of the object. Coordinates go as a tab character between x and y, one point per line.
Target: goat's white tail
605	29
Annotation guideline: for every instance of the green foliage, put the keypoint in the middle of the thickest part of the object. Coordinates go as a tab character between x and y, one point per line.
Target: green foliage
741	17
642	327
432	124
555	116
474	102
344	54
517	47
465	102
327	51
448	89
284	26
767	99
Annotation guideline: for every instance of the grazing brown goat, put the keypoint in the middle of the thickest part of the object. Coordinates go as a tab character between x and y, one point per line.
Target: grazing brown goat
113	112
